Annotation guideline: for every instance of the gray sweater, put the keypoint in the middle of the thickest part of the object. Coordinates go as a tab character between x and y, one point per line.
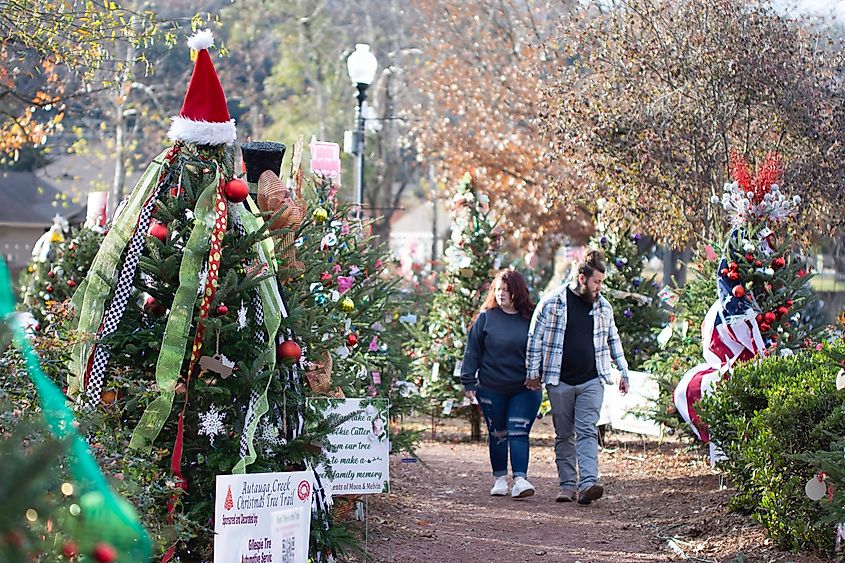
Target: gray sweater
495	353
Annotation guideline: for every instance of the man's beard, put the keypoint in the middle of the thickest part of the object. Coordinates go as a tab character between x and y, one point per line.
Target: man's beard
586	294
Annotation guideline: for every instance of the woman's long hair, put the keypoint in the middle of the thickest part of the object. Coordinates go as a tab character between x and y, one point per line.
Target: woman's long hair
518	290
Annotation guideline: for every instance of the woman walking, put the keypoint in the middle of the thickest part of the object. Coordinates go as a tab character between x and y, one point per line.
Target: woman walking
493	372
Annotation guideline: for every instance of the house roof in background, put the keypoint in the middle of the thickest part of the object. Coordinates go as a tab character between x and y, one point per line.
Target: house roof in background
87	172
28	199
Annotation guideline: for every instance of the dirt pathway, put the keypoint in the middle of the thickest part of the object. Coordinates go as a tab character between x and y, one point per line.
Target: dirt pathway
656	496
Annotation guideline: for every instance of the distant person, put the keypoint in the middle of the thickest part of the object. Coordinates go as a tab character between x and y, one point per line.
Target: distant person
493	372
571	341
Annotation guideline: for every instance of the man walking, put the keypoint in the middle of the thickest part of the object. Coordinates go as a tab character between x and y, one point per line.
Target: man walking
571	340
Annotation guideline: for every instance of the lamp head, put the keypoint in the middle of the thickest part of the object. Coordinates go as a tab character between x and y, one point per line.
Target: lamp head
362	65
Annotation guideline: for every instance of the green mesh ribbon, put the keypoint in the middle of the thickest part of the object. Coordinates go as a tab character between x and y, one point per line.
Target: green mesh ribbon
268	291
90	299
114	519
174	344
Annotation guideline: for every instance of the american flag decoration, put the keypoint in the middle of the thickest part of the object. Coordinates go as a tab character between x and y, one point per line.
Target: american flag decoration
731	330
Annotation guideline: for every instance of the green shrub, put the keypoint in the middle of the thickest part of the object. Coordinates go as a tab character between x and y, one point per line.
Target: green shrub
766	417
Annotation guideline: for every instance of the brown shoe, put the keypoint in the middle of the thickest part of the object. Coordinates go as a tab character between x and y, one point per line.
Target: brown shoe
565	495
590	494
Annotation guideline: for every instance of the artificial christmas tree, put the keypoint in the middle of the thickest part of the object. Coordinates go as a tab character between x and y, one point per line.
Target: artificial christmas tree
472	259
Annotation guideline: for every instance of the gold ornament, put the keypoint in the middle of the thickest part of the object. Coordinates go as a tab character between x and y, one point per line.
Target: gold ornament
320	214
347	305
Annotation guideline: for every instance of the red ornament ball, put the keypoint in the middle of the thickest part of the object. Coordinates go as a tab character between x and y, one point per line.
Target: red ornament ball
733	275
765	328
70	549
104	553
352	339
49	289
51	274
758	263
724	271
769	317
749	257
222	310
738	291
782	310
71	283
733	266
759	318
158	230
153	307
289	351
236	190
778	263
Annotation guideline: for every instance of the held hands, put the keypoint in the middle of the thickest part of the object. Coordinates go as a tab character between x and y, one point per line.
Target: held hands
470	394
533	384
623	385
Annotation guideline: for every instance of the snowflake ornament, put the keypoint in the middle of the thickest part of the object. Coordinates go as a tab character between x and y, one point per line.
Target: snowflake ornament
242	317
211	424
270	436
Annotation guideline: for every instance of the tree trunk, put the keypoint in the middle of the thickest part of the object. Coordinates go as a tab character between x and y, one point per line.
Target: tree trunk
432	188
475	422
119	162
675	267
120	142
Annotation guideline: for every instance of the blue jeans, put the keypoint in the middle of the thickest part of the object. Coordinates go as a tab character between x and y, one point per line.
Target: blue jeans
575	412
509	420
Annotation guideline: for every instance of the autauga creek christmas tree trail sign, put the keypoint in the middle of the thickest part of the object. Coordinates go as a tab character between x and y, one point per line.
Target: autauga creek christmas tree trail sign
204	313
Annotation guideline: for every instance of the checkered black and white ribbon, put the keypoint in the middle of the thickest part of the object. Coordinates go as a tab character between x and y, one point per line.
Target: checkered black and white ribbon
114	314
260	335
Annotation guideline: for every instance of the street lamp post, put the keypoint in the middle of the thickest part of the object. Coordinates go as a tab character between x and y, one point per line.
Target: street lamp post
362	65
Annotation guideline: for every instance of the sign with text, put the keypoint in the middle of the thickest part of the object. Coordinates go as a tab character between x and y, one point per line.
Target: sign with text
359	448
262	517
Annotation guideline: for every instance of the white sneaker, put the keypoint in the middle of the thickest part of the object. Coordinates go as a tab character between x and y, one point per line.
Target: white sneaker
500	487
522	488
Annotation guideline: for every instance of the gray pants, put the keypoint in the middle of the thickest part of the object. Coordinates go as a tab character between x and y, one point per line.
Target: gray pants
575	412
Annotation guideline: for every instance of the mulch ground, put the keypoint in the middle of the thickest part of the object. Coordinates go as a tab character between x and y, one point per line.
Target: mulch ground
662	503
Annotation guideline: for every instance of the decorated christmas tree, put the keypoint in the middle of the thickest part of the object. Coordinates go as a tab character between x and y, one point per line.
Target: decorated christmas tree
471	262
762	282
214	311
60	261
637	308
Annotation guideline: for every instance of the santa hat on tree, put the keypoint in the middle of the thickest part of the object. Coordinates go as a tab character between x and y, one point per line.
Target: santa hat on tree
204	119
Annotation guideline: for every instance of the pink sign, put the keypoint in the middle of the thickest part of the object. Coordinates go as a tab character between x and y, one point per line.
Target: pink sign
325	160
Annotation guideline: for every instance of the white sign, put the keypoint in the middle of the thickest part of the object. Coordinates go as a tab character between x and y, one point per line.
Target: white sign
262	517
620	410
358	449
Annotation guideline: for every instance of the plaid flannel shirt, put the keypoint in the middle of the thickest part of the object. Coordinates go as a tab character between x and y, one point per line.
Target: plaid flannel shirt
545	339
